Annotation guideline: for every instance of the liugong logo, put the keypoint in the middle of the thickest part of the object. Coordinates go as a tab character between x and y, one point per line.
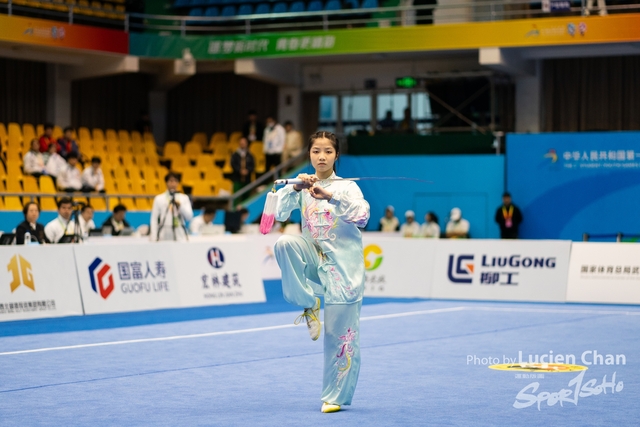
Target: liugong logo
460	269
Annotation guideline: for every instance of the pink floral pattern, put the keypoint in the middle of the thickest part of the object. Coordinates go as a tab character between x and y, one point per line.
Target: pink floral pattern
343	362
319	223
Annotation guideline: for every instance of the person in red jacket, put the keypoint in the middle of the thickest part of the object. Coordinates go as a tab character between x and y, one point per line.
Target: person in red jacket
47	139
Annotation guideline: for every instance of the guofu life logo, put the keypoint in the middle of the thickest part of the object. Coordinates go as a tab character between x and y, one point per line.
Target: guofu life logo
101	278
372	257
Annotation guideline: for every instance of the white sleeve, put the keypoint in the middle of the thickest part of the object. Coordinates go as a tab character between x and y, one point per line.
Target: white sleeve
351	205
153	224
281	136
288	201
100	184
62	179
185	207
50	232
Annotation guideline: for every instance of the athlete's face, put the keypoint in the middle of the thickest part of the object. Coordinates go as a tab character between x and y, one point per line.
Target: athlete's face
323	156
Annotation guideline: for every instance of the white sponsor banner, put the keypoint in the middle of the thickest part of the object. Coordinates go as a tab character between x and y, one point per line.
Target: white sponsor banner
117	278
398	267
268	265
510	270
604	273
38	281
219	272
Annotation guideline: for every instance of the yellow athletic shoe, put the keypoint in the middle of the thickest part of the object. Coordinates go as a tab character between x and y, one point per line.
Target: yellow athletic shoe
312	316
329	407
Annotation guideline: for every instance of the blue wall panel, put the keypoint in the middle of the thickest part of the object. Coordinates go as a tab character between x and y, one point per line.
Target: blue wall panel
568	184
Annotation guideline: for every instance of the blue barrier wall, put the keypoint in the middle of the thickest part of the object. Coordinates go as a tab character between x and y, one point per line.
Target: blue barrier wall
571	183
474	183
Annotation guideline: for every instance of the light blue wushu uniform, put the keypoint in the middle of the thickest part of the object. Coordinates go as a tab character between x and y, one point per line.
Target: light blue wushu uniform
328	260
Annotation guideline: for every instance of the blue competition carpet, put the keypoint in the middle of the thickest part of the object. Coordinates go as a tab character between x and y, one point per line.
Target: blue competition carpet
424	363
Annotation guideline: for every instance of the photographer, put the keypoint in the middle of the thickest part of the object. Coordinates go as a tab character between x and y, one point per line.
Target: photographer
169	213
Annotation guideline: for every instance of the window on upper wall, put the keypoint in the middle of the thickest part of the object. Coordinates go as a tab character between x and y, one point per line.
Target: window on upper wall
328	116
356	113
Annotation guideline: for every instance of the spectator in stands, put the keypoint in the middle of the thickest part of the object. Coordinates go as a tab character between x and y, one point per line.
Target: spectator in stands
203	224
47	139
509	218
117	221
143	124
252	129
33	161
457	227
431	228
407	125
86	220
243	165
30	224
169	212
274	137
602	6
292	144
410	228
54	163
62	225
69	178
387	124
67	144
92	177
389	222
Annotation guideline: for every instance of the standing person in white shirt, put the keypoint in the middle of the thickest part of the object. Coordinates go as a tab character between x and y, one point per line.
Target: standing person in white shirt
410	228
293	142
431	228
274	139
389	222
62	225
169	213
33	161
86	220
53	162
203	224
92	177
457	227
69	179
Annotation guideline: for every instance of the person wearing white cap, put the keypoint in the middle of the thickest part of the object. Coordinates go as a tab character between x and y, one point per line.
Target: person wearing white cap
457	227
410	228
389	222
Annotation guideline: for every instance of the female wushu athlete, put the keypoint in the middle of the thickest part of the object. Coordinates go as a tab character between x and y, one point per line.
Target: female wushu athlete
326	260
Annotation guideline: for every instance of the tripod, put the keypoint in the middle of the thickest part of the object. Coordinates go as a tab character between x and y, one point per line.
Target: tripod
175	219
77	232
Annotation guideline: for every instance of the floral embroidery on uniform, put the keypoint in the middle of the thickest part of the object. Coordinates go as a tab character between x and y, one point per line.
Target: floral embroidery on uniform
319	223
345	354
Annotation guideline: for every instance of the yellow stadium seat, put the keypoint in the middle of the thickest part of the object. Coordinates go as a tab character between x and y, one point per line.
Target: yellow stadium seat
136	137
232	147
149	173
59	6
213	175
110	186
180	162
120	175
3	132
150	148
12	203
151	159
143	204
129	203
220	153
258	156
137	148
190	176
126	147
39	129
204	162
12	184
154	188
204	188
111	135
193	149
171	149
97	9
15	131
84	134
219	137
128	160
235	137
1	201
123	136
46	184
135	174
200	138
14	169
98	203
98	135
57	132
3	172
30	184
148	136
225	185
28	132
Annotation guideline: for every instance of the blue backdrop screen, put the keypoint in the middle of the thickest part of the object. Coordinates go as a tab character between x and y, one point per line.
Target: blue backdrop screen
568	184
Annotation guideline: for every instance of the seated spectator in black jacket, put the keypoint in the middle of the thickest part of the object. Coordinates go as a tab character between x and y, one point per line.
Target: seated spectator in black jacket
116	222
243	165
31	225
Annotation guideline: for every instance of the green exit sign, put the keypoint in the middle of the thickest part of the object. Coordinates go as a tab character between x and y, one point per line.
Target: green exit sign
406	82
